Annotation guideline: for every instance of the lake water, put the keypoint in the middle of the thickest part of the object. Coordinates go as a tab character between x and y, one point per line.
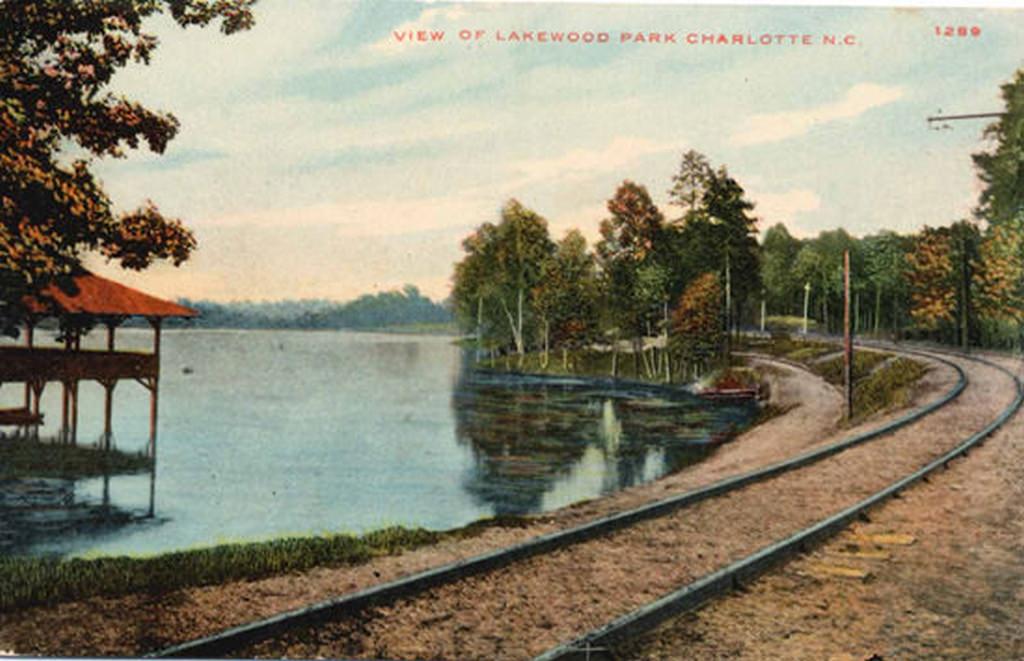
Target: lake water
270	433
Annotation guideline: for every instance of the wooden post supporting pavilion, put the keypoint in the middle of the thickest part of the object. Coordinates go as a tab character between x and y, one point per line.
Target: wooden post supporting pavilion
154	388
29	341
108	389
37	394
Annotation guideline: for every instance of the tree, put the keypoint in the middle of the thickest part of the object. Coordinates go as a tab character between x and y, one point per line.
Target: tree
724	236
1002	170
697	324
503	266
945	269
56	61
778	254
885	265
566	296
689	184
630	259
1001	295
474	287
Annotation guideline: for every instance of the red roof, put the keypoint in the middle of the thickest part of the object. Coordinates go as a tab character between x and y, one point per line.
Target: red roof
102	297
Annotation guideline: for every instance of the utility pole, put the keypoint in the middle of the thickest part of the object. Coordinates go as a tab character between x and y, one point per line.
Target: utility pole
728	305
954	118
763	306
965	284
807	299
847	339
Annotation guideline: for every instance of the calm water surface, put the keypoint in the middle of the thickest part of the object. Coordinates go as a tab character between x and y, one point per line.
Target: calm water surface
267	433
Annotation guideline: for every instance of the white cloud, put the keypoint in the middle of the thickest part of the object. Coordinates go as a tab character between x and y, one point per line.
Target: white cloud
785	207
773	127
578	164
372	217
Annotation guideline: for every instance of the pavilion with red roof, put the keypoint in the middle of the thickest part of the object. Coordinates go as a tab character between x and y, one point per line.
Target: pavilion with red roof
89	299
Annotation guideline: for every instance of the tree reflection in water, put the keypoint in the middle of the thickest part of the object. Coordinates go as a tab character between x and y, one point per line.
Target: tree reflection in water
544	442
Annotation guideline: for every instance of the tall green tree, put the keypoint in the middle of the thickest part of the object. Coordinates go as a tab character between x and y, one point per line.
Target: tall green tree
494	282
778	254
566	297
57	59
690	182
475	288
722	236
1002	169
885	265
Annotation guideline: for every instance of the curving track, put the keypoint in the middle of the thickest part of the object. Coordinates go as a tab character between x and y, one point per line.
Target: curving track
571	581
600	643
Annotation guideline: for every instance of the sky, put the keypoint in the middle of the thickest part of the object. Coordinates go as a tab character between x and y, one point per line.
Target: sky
319	156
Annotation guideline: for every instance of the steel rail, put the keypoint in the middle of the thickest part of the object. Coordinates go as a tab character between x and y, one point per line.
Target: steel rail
244	635
596	644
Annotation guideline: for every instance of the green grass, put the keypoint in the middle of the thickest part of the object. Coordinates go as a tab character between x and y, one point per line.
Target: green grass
863	362
45	581
36	581
876	387
23	458
886	388
792	323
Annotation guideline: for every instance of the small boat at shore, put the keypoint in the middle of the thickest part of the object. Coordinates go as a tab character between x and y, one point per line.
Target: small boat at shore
720	394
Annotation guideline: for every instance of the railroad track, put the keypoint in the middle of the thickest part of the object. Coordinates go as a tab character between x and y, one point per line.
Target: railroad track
598	644
247	637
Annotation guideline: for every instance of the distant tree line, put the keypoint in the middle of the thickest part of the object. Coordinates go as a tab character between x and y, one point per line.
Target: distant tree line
386	309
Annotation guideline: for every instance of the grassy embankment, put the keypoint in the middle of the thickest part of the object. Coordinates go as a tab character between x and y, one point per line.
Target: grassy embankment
44	581
881	381
24	458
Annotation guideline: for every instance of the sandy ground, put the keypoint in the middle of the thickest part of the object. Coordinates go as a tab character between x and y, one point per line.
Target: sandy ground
956	591
140	623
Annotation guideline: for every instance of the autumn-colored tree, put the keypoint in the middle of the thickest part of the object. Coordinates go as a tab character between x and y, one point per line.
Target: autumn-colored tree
931	268
945	271
632	262
57	59
1001	284
698	325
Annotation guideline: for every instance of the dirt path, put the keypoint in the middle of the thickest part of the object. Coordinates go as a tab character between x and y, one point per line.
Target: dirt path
139	623
955	592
